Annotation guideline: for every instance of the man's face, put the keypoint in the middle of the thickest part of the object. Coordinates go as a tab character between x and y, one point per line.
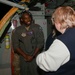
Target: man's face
26	19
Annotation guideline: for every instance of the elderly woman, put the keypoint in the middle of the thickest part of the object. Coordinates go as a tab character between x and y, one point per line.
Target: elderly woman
59	59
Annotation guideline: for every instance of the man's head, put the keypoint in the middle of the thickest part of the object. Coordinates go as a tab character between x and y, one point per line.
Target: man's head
26	18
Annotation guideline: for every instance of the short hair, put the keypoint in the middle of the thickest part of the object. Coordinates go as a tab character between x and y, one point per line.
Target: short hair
64	15
26	12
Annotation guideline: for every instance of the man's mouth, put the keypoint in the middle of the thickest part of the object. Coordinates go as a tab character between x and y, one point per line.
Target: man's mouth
28	22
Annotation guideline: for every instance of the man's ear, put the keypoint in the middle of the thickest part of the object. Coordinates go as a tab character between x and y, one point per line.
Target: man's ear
21	20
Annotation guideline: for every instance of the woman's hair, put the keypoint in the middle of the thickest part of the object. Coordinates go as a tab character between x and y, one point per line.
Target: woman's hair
64	15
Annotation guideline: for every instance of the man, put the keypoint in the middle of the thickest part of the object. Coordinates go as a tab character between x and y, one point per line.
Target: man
28	41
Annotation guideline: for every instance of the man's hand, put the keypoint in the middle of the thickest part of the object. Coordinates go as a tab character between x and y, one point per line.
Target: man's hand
29	58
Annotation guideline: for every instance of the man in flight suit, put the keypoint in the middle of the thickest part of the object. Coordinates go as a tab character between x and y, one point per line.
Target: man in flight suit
28	41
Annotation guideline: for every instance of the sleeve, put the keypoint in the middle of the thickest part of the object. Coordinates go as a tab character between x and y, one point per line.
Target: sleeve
57	55
40	37
15	39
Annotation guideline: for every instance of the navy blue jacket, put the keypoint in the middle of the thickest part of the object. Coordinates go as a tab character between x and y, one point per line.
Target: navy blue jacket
68	38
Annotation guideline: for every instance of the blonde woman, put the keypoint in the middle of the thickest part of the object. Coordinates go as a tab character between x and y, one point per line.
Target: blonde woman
59	59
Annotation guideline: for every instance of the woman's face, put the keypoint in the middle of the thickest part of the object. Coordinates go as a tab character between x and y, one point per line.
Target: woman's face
58	27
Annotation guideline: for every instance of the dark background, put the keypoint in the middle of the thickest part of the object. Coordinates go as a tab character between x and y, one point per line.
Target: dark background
4	9
50	4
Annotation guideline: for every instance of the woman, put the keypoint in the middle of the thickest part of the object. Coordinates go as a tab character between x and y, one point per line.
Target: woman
59	59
